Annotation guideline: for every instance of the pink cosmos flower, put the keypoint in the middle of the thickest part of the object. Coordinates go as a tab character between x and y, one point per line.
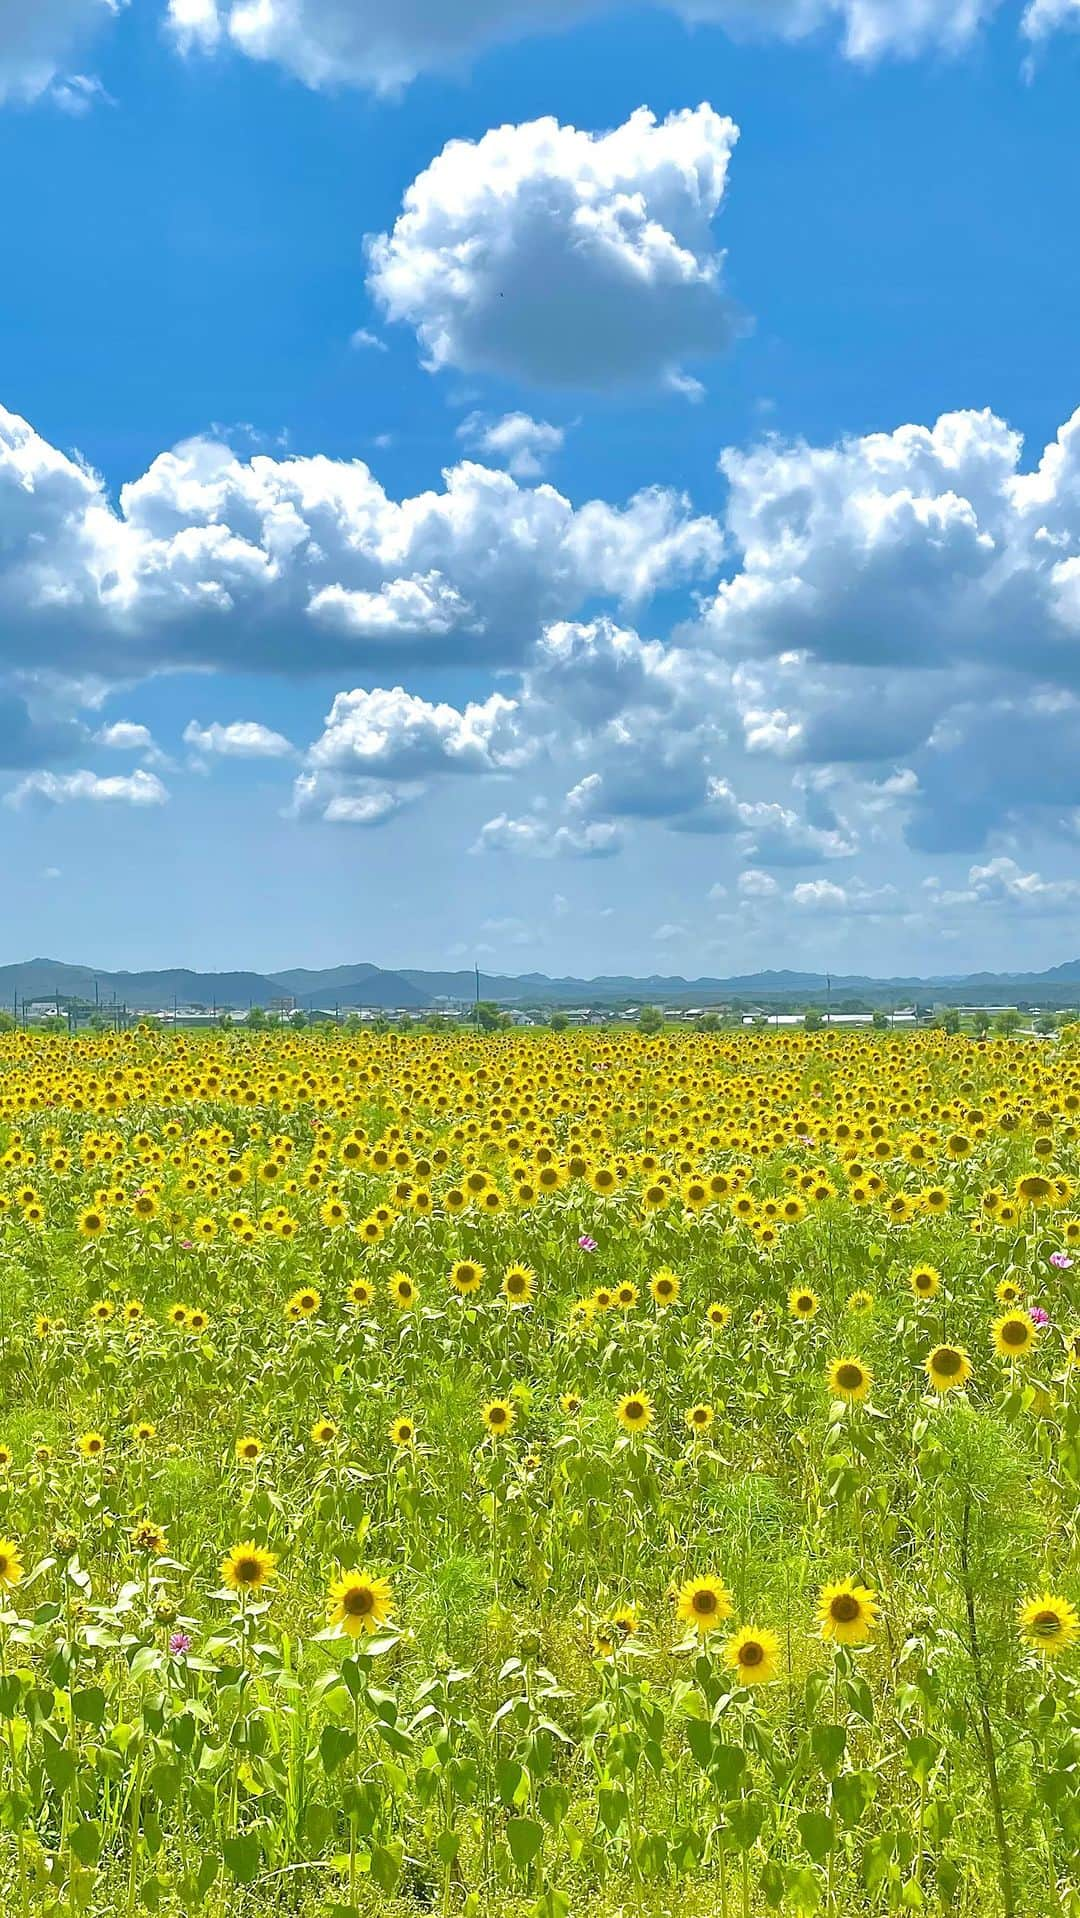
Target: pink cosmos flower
1061	1260
587	1244
1038	1316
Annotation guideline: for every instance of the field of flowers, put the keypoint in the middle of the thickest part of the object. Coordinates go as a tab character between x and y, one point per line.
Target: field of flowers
539	1474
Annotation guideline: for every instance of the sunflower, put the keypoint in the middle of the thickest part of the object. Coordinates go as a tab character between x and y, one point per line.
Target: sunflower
91	1445
102	1312
753	1655
303	1303
924	1281
634	1412
498	1416
664	1286
1072	1346
248	1450
402	1291
1014	1335
947	1367
802	1303
177	1315
847	1612
1035	1189
359	1602
148	1537
518	1284
11	1563
571	1404
704	1603
403	1431
91	1223
324	1432
849	1379
466	1276
1007	1292
626	1296
626	1621
247	1567
860	1302
718	1315
699	1418
1048	1624
143	1431
359	1293
602	1299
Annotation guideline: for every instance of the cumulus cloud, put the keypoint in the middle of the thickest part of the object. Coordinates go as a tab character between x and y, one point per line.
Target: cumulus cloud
302	565
328	43
58	789
125	736
523	445
398	735
824	895
37	39
754	884
565	258
241	739
535	837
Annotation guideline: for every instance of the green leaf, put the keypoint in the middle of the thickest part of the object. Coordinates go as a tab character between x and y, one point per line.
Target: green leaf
447	1846
921	1754
553	1802
243	1857
166	1783
60	1766
89	1707
386	1865
726	1768
524	1837
335	1745
829	1744
818	1834
85	1841
318	1825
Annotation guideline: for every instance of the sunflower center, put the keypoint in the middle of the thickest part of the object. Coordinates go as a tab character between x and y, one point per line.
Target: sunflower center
751	1653
947	1361
1046	1624
358	1601
849	1377
1015	1333
497	1415
248	1570
845	1608
704	1603
635	1409
804	1302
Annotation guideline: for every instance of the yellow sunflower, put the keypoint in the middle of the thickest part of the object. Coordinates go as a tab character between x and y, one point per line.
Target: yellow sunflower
947	1367
1014	1335
753	1654
849	1379
246	1567
1049	1625
498	1416
634	1412
360	1602
847	1612
704	1603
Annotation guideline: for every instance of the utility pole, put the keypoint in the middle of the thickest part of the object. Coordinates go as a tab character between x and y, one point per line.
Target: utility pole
828	998
476	1013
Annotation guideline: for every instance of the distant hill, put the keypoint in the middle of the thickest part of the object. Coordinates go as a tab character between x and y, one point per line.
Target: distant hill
366	985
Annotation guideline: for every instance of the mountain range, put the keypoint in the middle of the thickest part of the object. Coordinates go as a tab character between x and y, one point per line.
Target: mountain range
354	987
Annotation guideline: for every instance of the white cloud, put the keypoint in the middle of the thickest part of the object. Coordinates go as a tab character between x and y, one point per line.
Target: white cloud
306	564
1044	17
754	884
365	338
534	837
358	802
823	895
366	43
57	789
395	734
1002	882
38	37
241	739
523	445
125	736
565	258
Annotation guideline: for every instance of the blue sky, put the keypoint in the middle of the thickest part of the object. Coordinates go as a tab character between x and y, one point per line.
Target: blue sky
742	630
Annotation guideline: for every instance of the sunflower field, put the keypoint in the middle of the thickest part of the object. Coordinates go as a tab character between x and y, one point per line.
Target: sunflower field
539	1474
